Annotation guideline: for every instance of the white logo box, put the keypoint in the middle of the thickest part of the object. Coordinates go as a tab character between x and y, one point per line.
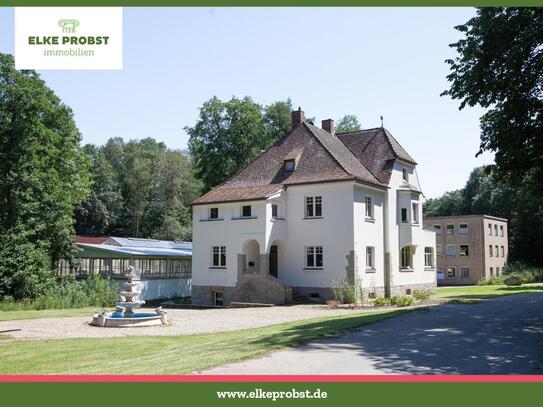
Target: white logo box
69	37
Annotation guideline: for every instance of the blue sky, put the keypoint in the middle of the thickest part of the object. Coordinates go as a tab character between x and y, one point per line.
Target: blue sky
330	61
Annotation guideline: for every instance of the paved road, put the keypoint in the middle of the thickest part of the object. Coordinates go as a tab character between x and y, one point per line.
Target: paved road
498	336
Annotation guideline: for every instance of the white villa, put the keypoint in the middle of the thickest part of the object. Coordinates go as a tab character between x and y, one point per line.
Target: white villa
314	208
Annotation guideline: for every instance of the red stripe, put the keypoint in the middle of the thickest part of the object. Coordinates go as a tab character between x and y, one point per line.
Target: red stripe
272	378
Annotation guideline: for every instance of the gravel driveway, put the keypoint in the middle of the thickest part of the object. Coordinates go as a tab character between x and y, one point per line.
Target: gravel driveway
185	321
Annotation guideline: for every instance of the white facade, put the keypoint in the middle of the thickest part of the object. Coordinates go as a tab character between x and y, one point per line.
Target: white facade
350	236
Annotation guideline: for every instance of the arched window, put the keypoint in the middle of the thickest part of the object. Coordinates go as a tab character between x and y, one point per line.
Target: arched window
429	257
406	257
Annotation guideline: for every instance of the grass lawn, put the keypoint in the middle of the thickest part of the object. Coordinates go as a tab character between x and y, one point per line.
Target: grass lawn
481	292
169	354
47	313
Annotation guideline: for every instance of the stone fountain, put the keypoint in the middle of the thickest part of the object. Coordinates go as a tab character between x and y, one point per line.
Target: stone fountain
124	315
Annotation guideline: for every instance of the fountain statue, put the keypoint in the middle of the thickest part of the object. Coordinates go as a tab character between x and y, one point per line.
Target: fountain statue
124	315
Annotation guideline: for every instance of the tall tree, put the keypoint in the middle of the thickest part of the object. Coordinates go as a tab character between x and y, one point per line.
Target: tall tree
229	135
43	176
347	123
500	68
141	189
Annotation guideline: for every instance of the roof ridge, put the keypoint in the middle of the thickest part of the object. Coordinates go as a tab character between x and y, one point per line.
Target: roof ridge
375	180
327	149
357	131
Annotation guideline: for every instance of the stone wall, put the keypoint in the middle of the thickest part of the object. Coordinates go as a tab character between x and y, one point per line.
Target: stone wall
401	289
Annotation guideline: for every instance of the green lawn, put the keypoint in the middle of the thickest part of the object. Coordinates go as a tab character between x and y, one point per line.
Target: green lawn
481	292
47	313
169	354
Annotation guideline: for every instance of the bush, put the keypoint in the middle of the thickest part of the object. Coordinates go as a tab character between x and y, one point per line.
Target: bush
421	294
528	274
347	293
68	292
381	301
401	301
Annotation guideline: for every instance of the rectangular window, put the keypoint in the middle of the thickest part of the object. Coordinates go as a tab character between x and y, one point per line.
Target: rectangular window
497	251
313	207
464	272
405	175
370	257
464	250
451	250
213	213
246	211
501	230
415	212
490	229
404	215
218	298
274	211
497	271
451	272
491	271
437	228
490	251
463	229
439	250
289	165
313	257
406	257
369	207
219	256
495	230
502	249
428	257
450	229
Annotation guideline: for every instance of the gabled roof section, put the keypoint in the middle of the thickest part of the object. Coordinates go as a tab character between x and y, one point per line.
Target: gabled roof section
377	150
321	156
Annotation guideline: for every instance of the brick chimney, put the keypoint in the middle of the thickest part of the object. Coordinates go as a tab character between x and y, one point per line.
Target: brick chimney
329	126
297	117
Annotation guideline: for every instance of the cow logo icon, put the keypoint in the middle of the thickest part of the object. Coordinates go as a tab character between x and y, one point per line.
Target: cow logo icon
68	25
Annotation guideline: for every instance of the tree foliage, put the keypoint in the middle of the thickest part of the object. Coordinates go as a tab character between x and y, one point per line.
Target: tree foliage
43	177
347	123
500	68
486	194
229	135
141	189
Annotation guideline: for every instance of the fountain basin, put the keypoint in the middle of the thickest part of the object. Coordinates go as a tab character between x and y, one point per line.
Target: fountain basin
139	319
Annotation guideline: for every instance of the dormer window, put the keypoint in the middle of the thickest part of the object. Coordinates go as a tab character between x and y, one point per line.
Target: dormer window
289	165
405	175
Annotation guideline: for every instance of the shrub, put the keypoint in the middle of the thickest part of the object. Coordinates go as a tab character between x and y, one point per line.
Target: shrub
68	292
401	301
421	294
345	292
381	301
528	274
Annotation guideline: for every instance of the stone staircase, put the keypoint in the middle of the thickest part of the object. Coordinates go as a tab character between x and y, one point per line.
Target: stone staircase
262	288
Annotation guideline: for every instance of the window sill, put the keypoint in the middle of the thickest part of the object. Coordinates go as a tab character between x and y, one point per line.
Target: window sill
370	220
313	268
245	218
217	268
407	270
277	219
211	220
415	224
429	268
370	270
312	217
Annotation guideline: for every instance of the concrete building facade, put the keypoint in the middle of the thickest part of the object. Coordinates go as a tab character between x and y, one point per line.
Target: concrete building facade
315	208
470	248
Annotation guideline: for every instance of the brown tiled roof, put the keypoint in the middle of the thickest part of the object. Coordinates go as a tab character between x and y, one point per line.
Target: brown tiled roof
376	149
91	239
365	156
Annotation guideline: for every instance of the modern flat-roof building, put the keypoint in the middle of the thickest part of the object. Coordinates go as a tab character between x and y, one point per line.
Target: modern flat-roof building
469	248
165	267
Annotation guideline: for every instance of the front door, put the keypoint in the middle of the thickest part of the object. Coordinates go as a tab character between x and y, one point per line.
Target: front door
273	261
